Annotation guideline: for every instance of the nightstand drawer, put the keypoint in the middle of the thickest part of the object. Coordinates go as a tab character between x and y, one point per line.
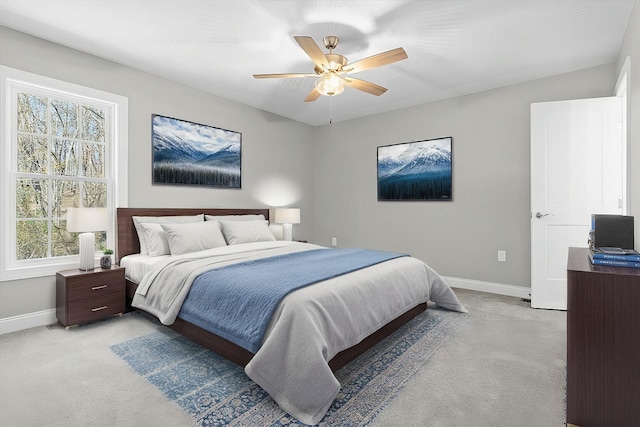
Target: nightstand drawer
95	308
94	286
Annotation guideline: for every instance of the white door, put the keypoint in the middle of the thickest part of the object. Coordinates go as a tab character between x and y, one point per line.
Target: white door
576	170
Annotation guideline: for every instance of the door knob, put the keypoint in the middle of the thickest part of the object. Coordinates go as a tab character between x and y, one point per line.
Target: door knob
540	215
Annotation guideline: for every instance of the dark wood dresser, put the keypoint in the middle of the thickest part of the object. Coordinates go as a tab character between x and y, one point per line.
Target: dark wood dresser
603	343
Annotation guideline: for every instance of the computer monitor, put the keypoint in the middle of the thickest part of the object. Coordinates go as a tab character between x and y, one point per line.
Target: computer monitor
612	231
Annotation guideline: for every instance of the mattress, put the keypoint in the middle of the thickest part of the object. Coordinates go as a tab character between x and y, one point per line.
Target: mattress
137	265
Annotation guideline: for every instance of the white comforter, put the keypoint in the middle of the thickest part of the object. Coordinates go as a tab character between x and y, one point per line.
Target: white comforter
311	325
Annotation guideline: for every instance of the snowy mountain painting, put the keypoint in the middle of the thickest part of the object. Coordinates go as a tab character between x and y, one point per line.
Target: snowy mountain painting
418	170
193	154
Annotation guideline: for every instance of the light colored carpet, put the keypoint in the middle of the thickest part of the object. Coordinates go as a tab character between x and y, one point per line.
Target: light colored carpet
58	377
505	368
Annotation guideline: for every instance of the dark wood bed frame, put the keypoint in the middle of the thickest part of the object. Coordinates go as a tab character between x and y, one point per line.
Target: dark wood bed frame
128	243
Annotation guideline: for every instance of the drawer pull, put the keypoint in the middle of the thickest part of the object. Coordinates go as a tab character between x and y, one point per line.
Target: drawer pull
95	288
104	307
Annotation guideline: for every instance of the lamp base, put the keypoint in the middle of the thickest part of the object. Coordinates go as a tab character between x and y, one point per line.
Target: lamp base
87	251
287	231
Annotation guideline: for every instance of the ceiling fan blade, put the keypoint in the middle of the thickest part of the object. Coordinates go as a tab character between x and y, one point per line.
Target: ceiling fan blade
365	86
384	58
313	95
313	50
282	76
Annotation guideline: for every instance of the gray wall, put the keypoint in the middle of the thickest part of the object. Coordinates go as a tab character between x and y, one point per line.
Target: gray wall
276	152
490	207
631	48
490	210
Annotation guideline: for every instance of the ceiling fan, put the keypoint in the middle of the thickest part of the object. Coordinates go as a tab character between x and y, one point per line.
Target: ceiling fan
332	69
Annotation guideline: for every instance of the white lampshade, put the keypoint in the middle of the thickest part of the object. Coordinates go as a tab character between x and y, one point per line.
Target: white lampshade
287	216
86	221
81	220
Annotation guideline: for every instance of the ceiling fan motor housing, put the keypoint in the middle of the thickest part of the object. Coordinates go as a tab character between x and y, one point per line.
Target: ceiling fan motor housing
336	62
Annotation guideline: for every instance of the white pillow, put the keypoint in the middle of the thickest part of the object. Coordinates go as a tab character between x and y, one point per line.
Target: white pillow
193	237
155	239
249	217
137	220
246	231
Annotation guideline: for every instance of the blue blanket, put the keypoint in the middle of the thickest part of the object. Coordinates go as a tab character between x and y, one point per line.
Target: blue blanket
236	302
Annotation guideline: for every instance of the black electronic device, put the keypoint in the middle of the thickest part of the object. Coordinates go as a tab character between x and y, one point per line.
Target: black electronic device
612	231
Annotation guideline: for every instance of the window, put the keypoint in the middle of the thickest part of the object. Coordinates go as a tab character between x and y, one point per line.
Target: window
64	146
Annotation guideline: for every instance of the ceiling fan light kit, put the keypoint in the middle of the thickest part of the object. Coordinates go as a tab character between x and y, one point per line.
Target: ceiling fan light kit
331	69
330	84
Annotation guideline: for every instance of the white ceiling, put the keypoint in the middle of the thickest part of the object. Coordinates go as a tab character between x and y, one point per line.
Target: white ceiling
455	47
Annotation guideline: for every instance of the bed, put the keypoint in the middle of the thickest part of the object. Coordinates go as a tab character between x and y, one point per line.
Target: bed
312	332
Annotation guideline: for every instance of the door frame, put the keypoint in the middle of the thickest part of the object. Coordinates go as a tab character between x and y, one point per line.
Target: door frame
622	90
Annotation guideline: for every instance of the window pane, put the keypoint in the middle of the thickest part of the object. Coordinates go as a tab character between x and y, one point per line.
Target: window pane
94	195
64	119
32	237
92	124
101	241
64	194
93	160
31	198
32	113
63	243
32	154
64	157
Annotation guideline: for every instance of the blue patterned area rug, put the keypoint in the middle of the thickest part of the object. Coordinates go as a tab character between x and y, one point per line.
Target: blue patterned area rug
217	392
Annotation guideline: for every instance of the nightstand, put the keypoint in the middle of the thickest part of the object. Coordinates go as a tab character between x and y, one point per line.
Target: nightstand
84	296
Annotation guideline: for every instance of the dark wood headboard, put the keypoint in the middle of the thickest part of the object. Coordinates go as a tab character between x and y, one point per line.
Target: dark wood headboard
127	238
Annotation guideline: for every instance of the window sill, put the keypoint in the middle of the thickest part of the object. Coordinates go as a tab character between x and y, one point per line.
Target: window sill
34	271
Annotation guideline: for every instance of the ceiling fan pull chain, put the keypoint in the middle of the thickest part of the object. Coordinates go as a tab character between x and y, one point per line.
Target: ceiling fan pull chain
330	109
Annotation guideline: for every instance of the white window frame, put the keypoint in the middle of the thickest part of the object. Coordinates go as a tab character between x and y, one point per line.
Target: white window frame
13	80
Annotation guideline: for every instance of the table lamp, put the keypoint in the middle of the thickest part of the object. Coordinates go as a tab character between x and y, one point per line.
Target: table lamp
287	217
86	221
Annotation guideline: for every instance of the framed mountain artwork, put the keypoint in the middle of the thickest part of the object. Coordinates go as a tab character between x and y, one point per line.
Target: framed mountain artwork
187	153
419	170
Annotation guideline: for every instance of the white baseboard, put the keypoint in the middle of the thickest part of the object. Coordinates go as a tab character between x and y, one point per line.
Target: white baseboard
26	321
489	287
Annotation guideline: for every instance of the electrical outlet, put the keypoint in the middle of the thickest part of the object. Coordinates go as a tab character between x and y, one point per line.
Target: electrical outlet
334	241
502	256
